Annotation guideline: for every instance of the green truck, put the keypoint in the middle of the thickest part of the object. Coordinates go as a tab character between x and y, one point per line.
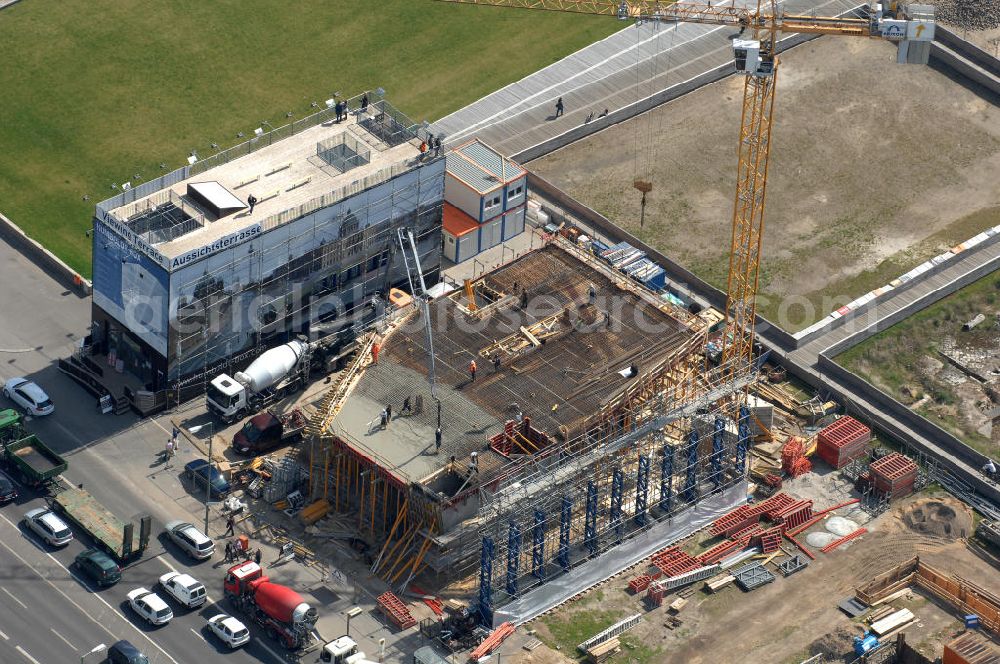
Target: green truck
29	458
110	533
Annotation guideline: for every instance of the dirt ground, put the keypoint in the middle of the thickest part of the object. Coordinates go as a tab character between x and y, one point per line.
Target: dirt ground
874	168
795	617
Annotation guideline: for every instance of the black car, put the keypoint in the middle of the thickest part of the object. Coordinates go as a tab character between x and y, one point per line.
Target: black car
124	652
99	567
8	491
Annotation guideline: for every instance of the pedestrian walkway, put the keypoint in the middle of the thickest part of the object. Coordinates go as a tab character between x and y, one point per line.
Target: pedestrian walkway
633	64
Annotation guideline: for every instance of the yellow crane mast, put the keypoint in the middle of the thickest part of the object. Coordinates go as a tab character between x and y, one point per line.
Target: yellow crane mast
755	57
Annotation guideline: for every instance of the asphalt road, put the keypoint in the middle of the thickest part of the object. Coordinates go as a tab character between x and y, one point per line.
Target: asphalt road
51	613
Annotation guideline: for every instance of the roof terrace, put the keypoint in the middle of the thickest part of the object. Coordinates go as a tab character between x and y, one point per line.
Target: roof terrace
291	171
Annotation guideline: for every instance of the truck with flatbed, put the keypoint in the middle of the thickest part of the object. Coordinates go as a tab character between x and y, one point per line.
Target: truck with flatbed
26	455
268	430
111	534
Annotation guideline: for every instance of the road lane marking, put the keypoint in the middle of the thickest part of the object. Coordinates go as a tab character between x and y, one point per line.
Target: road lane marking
73	602
5	637
26	655
64	639
209	600
198	634
11	595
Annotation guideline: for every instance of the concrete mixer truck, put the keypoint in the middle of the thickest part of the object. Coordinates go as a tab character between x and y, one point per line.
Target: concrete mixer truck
279	610
274	374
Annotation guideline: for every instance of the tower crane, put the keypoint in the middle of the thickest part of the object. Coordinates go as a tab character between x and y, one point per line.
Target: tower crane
755	57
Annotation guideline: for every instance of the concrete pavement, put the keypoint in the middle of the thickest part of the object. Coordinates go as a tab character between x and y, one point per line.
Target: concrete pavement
615	73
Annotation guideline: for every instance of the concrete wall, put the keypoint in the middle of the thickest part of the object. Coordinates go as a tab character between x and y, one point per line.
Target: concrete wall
51	264
913	307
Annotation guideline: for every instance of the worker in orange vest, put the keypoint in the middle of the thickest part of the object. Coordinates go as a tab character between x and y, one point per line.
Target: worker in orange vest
472	370
375	349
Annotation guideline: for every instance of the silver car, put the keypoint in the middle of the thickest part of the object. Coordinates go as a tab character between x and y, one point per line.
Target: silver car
194	542
48	526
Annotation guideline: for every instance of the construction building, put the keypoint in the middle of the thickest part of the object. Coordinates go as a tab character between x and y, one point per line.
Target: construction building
587	437
190	277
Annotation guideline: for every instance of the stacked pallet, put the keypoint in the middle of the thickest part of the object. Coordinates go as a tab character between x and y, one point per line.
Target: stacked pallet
843	441
394	609
894	475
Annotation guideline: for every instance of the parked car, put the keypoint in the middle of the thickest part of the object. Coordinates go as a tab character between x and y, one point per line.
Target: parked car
28	396
123	652
150	606
47	525
184	588
230	630
8	490
194	542
202	473
99	567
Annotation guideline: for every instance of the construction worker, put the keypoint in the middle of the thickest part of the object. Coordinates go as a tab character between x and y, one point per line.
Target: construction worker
592	293
257	556
407	406
496	362
376	347
230	525
437	440
472	370
524	298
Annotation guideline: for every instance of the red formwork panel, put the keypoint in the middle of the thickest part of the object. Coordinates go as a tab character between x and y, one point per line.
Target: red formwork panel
844	432
795	515
673	561
655	595
640	583
395	610
718	552
838	457
729	523
770	540
894	466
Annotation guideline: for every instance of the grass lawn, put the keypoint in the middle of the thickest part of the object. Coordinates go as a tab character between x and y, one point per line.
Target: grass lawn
96	91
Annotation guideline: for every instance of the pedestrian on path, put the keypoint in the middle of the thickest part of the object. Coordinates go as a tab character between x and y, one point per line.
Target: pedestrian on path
251	201
230	526
472	370
388	412
559	107
229	551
